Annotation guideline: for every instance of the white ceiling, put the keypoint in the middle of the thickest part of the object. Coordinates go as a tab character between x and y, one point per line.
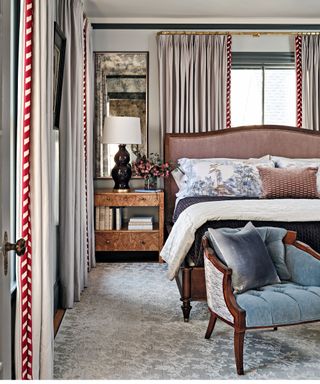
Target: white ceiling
223	10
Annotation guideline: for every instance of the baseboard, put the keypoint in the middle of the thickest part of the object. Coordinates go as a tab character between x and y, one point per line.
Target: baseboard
57	320
56	296
13	325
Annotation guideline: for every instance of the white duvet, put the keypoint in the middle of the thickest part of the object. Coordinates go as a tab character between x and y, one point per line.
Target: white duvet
183	232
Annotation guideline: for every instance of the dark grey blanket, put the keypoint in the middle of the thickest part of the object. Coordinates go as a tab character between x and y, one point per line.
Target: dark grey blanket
308	232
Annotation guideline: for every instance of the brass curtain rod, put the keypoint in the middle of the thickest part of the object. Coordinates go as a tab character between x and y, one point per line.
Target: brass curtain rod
253	34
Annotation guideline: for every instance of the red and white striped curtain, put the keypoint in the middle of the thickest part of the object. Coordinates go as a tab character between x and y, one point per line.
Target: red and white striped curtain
195	82
307	48
34	315
24	342
35	175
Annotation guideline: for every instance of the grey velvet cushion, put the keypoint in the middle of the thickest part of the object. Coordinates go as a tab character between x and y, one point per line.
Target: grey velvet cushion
246	254
272	238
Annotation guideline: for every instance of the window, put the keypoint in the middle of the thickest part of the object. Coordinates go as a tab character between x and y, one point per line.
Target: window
263	89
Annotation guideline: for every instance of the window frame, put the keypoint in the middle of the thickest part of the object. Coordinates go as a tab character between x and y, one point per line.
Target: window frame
263	61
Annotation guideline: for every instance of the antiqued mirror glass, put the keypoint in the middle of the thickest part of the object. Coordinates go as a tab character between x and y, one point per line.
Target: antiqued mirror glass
121	89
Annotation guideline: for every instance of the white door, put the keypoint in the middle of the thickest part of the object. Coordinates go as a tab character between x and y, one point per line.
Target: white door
7	186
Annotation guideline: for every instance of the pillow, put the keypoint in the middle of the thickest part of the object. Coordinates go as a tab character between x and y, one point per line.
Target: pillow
297	183
245	253
273	240
221	177
286	162
179	177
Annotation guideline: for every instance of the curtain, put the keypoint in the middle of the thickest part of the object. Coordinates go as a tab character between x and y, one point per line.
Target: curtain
308	62
89	79
76	191
34	317
194	75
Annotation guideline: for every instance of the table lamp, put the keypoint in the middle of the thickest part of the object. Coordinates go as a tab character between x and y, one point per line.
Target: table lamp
120	130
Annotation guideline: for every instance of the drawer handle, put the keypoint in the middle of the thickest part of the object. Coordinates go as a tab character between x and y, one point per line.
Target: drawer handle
108	242
142	199
143	242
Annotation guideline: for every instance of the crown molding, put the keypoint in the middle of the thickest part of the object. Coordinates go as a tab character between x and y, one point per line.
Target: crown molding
207	23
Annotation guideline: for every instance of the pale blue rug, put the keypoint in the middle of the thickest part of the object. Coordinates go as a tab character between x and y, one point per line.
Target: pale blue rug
129	325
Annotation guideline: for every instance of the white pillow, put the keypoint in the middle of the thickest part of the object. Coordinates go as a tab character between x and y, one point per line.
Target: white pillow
221	177
287	162
181	178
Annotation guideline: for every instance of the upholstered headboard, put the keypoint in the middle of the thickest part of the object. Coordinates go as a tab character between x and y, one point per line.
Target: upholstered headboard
238	143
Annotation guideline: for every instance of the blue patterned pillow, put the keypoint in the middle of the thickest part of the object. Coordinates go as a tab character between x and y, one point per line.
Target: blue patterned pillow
222	177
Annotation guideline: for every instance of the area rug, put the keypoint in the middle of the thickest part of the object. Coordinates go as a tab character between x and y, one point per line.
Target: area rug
129	325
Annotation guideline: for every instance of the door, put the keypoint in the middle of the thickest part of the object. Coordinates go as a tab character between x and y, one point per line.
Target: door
7	188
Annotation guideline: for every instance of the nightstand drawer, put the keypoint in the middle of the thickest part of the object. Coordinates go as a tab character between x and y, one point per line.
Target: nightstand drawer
127	241
127	199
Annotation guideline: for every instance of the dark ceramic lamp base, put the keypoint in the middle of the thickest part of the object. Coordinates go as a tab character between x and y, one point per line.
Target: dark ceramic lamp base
121	173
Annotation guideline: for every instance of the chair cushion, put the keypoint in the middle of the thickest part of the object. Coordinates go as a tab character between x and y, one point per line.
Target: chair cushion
273	240
246	254
303	268
284	303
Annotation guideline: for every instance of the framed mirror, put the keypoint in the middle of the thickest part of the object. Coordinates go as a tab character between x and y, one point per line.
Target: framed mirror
121	89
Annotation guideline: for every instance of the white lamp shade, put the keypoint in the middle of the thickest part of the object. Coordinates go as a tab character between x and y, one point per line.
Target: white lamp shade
121	130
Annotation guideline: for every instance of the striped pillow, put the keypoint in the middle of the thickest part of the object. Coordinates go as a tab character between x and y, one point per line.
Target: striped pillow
296	183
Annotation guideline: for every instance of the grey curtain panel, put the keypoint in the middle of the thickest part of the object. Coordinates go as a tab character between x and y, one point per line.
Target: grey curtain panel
193	82
90	145
74	260
310	65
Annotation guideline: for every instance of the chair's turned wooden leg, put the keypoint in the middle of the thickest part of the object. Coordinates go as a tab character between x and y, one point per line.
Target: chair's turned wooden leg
275	328
212	323
186	308
238	350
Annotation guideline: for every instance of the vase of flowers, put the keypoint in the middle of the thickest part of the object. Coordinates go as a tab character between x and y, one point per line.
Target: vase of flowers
150	182
151	169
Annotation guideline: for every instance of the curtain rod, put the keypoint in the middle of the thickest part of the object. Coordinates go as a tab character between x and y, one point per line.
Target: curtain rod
253	34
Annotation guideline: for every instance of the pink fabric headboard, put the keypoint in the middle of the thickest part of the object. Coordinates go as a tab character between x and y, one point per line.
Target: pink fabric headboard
241	142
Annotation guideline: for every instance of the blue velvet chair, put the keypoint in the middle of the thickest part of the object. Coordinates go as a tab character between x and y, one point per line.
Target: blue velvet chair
293	301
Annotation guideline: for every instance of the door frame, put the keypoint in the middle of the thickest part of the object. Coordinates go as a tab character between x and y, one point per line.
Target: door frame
10	27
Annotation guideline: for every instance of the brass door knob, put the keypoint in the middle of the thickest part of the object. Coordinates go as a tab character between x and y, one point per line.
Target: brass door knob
19	247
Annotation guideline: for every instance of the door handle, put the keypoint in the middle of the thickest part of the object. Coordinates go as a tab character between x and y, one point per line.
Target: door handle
19	247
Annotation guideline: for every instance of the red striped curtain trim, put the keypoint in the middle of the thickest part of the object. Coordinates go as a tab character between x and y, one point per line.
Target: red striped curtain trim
228	96
298	47
25	276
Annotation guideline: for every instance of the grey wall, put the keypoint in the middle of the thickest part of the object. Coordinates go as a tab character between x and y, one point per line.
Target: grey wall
145	40
137	40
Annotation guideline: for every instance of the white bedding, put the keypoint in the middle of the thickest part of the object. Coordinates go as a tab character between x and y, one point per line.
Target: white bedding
183	232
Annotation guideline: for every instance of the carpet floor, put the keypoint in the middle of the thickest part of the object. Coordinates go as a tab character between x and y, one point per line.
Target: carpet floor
129	325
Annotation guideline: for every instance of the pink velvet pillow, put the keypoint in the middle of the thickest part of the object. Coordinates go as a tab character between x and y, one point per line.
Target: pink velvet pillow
296	183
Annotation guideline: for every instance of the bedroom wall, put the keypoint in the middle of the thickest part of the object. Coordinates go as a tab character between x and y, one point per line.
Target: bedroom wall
145	40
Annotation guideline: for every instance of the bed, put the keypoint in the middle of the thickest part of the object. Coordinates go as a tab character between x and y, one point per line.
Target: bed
237	143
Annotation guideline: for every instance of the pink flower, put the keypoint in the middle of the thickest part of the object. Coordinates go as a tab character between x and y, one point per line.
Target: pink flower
153	166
